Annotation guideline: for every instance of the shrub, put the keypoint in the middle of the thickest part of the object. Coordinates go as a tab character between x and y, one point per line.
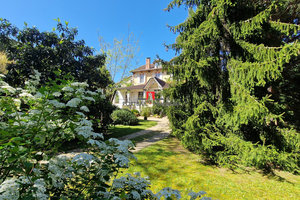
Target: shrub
135	112
159	109
124	116
146	112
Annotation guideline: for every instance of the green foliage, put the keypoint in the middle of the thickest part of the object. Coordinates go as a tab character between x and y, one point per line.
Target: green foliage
235	96
56	54
159	109
48	52
146	111
124	116
35	122
183	169
135	112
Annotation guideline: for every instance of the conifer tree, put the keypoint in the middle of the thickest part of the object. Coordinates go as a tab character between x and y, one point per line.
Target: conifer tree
235	83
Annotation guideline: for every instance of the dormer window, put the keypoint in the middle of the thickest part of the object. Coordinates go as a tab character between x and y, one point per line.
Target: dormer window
142	78
157	75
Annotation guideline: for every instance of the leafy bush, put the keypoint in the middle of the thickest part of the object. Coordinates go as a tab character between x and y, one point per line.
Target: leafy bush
135	112
146	111
34	123
124	116
159	109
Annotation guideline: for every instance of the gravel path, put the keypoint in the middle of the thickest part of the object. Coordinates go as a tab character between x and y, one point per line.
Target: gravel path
160	131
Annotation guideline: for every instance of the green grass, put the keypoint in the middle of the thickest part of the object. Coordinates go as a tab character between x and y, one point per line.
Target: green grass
122	130
168	164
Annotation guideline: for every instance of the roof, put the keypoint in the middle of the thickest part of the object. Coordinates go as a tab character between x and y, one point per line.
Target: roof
143	68
162	83
134	87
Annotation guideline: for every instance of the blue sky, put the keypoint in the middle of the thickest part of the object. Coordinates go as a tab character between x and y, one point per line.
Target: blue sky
110	19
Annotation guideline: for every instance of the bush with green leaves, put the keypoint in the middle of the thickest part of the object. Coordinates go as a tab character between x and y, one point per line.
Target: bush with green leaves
135	112
159	109
124	116
146	111
34	123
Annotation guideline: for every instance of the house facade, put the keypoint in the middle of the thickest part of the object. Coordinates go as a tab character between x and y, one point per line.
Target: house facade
146	85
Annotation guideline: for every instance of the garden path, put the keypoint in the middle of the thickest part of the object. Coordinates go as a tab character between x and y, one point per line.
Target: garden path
160	131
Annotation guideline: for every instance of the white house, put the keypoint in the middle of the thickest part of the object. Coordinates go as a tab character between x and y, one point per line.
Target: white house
146	84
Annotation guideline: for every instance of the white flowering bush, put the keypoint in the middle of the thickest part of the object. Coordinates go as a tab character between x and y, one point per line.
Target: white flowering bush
35	122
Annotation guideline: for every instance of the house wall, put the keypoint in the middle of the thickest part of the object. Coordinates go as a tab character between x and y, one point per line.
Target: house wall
148	75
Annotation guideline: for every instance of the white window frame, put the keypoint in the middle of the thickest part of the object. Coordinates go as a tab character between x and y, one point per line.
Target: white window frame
158	75
142	78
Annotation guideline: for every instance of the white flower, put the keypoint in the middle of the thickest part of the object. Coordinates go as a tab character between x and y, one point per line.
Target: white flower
39	184
168	193
89	98
79	84
57	104
195	195
91	93
122	160
9	189
81	114
25	94
99	144
84	159
2	76
56	94
35	112
135	195
8	88
17	102
39	95
74	102
85	131
67	89
84	108
85	122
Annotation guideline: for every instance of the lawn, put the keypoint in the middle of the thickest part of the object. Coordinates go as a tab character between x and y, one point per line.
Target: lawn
122	130
168	164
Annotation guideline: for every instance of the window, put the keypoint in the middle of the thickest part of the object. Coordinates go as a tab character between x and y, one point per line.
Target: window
157	75
140	95
142	78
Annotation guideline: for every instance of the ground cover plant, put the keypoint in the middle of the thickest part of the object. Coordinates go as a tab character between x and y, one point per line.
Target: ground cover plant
122	130
168	163
235	95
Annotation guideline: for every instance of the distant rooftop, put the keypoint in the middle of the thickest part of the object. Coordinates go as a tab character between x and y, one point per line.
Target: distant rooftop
148	66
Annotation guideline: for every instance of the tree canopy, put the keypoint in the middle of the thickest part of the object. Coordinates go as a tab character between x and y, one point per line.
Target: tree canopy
236	81
49	53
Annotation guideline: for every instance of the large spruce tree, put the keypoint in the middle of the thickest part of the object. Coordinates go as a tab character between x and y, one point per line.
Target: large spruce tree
235	81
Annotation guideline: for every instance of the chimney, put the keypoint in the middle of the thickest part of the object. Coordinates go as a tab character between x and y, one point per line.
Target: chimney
148	63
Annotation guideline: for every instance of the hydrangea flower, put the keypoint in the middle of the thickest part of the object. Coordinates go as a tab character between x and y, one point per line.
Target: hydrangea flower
84	108
74	102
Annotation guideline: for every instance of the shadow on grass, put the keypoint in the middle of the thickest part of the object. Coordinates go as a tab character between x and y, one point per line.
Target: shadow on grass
171	150
123	130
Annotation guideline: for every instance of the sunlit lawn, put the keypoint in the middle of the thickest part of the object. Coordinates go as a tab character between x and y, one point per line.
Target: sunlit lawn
122	130
167	164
